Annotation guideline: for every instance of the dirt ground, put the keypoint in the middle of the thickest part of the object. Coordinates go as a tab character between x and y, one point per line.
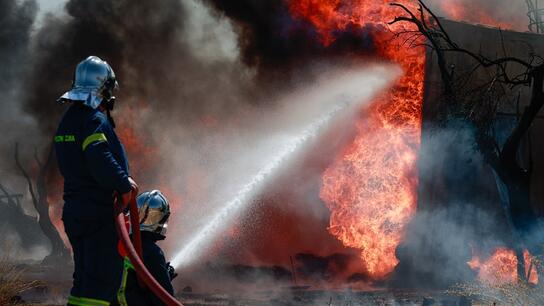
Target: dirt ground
296	298
50	293
47	286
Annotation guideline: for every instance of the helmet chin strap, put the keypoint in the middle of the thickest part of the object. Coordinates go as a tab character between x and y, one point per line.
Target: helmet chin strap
109	104
108	100
110	118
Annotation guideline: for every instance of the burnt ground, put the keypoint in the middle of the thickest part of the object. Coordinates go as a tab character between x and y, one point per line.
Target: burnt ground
53	286
294	298
325	298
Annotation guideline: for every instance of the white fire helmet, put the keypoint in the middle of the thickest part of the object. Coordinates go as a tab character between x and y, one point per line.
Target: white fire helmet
94	80
154	210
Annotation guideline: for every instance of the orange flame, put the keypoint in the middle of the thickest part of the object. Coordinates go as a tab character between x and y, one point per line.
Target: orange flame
501	267
530	267
371	187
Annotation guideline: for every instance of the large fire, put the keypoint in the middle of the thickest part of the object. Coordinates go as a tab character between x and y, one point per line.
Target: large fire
371	187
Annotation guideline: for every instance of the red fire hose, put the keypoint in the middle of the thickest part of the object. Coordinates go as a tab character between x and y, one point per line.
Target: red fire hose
134	250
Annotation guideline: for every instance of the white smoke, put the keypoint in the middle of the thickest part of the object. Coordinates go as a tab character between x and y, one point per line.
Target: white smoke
504	12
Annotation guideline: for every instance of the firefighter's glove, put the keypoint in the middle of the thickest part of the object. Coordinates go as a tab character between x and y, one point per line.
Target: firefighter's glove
171	271
133	193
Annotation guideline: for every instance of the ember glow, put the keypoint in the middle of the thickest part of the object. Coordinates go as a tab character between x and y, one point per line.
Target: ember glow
530	267
144	156
371	187
501	267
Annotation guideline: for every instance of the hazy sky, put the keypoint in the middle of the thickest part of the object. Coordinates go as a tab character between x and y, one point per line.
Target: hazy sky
49	6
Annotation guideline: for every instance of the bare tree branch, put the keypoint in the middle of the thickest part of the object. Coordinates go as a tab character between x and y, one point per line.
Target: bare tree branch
27	178
441	42
36	158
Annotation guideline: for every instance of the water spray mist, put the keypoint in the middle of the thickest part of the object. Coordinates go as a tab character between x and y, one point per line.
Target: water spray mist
344	92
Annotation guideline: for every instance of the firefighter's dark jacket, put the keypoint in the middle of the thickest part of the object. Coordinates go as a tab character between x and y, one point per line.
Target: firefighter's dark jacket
158	267
92	161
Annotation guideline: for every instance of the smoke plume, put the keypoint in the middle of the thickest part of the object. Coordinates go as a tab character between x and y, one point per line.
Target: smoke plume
16	20
22	237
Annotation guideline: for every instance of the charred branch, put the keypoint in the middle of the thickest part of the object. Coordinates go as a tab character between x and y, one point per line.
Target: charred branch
27	178
14	216
12	200
430	26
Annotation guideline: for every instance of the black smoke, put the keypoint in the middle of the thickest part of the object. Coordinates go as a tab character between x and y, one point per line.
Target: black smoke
161	79
16	20
20	231
138	38
276	42
268	34
145	44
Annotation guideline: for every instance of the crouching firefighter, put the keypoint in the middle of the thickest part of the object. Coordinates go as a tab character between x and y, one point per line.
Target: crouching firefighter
94	165
154	211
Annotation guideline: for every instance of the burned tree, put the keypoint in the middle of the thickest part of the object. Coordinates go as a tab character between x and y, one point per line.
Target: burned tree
15	218
39	194
479	107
